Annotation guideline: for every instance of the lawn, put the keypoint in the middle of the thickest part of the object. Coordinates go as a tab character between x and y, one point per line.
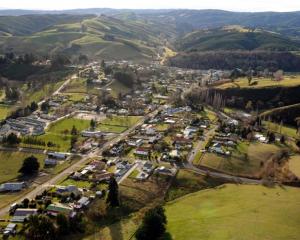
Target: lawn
245	160
236	212
11	162
288	81
294	165
77	85
67	123
79	184
117	124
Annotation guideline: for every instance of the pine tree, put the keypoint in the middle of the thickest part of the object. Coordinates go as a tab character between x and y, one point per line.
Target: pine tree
113	193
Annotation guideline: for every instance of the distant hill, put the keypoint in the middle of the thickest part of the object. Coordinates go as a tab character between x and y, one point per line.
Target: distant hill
189	20
102	37
28	24
235	38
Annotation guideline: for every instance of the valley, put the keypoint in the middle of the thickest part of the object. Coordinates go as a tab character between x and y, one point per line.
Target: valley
114	119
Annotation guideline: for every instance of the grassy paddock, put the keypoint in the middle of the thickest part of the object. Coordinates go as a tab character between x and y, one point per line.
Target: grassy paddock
288	81
236	212
245	160
11	162
294	165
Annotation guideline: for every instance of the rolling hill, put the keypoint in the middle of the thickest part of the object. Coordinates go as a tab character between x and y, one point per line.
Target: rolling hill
98	37
236	38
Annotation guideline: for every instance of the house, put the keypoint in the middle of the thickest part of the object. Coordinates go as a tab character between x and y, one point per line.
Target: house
22	214
142	152
12	186
57	155
135	143
10	229
142	176
95	134
166	171
68	189
148	167
57	208
82	203
174	154
50	162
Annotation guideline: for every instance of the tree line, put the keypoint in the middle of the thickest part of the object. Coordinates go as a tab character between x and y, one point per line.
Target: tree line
256	60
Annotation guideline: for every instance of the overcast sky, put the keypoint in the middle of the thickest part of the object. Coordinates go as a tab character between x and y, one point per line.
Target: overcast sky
235	5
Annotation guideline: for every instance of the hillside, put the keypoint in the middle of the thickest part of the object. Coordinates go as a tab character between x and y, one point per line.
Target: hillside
98	37
236	212
235	38
29	24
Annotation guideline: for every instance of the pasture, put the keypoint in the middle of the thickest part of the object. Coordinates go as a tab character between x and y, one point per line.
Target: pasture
288	81
235	212
245	160
11	162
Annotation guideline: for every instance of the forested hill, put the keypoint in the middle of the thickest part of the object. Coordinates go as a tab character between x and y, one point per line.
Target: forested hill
236	38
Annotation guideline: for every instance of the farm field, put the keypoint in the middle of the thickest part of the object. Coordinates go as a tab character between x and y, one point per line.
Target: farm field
245	160
11	162
294	164
288	81
214	214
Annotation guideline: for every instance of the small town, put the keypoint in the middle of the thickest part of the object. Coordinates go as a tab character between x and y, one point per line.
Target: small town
149	124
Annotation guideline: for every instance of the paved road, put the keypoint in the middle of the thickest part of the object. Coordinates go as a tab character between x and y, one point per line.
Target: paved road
200	145
98	152
59	89
203	171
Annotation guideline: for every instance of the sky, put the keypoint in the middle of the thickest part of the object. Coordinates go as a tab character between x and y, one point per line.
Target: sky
233	5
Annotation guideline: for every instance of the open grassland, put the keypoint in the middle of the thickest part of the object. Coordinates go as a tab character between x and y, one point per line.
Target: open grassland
285	130
4	111
11	162
288	81
245	160
294	165
117	124
236	212
188	182
65	125
38	95
76	97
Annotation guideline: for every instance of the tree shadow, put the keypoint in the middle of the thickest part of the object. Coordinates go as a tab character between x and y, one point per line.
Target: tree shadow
167	236
116	230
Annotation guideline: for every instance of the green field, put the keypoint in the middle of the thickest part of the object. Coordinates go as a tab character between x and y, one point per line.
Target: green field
285	130
11	162
4	111
245	160
188	182
236	212
60	133
294	165
79	184
288	81
117	124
